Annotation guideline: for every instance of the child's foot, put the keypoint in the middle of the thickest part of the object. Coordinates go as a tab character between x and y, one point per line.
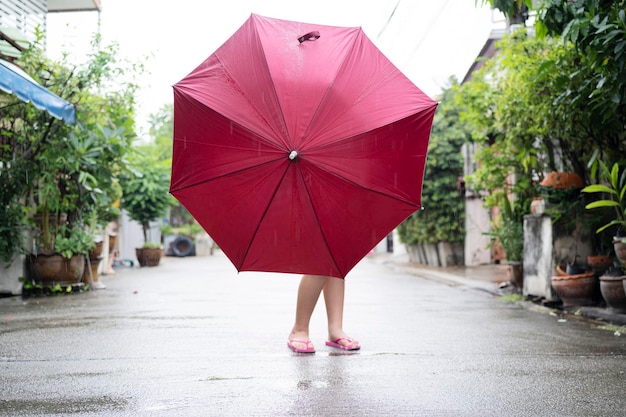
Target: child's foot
301	346
299	342
343	342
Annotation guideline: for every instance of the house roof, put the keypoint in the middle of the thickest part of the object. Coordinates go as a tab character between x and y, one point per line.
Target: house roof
55	6
487	52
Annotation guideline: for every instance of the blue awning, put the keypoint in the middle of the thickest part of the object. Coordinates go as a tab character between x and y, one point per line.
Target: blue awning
14	80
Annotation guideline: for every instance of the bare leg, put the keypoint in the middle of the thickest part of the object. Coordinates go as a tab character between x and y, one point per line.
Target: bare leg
308	294
334	292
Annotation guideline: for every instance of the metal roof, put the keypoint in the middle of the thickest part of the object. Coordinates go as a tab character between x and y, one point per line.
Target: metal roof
55	6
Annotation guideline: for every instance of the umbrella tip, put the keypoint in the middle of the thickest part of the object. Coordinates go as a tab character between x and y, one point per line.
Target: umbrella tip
293	155
311	36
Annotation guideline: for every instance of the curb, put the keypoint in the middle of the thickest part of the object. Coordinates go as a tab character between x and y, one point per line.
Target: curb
593	315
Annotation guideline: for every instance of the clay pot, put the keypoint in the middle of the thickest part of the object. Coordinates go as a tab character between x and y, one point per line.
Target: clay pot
148	256
112	242
599	264
613	291
620	250
94	279
54	269
516	274
562	180
96	252
576	290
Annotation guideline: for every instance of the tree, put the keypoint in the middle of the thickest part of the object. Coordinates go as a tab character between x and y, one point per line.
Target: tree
145	188
592	74
48	166
443	217
597	29
516	11
162	133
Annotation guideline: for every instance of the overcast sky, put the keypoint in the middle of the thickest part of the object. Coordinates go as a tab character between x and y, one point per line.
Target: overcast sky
427	40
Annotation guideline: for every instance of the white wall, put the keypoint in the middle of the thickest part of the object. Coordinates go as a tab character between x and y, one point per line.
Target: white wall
476	223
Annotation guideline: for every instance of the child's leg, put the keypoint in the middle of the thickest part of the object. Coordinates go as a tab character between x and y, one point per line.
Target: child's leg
308	293
334	292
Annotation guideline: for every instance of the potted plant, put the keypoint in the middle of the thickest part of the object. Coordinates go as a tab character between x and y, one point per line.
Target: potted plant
56	175
507	230
146	199
612	187
574	282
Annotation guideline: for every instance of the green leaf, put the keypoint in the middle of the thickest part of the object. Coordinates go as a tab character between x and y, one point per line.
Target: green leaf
602	203
598	188
614	176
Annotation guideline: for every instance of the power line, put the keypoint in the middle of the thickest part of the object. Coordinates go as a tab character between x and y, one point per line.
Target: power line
430	26
388	20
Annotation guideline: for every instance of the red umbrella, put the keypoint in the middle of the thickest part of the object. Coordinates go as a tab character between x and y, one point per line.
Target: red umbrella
298	147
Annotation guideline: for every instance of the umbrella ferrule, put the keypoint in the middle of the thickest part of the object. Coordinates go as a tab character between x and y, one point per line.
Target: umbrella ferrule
293	155
311	36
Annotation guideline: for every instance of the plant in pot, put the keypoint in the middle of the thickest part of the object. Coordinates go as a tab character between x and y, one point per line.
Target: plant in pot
574	283
61	238
58	174
145	197
74	185
507	230
612	189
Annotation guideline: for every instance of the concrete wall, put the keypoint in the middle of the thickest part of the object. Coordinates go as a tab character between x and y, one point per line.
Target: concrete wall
9	277
477	221
130	236
545	247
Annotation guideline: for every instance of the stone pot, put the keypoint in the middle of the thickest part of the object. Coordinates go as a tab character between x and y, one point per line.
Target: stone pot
576	290
613	290
620	250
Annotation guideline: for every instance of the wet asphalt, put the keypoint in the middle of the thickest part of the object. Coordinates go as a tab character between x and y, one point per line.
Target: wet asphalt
192	337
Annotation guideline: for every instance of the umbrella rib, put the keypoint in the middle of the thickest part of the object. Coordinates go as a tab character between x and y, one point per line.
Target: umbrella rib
267	207
379	127
369	90
254	133
349	181
332	256
227	174
254	104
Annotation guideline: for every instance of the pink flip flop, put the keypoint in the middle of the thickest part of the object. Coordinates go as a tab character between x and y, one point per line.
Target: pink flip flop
309	346
349	346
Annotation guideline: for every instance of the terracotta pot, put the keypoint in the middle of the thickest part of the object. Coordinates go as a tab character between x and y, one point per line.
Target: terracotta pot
613	291
96	252
148	256
94	279
54	269
576	290
599	264
516	274
112	242
562	180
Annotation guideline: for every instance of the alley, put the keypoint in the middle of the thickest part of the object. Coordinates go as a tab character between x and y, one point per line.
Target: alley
192	337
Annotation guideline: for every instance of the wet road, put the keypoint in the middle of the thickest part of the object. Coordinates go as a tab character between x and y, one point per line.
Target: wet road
194	338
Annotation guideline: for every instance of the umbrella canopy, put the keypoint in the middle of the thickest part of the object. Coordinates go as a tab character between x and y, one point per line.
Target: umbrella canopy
299	147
